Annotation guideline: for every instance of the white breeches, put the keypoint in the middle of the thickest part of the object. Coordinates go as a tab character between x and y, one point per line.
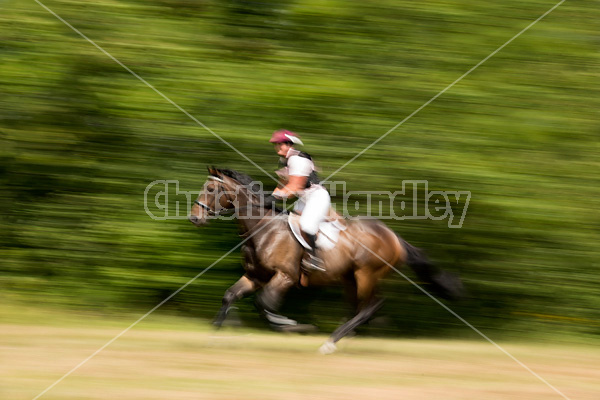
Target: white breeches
314	205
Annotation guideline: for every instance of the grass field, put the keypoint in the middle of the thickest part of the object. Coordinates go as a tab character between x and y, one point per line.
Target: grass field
181	358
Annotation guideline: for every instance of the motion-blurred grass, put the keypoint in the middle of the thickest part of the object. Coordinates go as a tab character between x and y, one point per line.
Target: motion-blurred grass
178	358
81	139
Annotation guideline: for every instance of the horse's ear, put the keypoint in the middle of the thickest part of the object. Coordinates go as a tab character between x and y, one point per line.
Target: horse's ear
212	170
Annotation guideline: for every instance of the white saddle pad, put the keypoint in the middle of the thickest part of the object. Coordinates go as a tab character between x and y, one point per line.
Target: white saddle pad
327	237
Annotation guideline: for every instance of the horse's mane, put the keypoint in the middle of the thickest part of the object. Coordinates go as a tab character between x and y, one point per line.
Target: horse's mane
243	179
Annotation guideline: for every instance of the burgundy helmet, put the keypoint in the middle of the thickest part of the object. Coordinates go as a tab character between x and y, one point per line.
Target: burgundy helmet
284	136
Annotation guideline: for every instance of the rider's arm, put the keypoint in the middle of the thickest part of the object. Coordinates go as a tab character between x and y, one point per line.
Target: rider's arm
299	169
295	184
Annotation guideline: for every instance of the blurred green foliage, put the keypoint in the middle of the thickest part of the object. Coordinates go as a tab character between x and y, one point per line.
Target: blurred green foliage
82	138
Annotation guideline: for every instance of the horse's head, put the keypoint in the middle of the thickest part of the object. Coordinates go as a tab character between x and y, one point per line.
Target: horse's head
214	198
221	192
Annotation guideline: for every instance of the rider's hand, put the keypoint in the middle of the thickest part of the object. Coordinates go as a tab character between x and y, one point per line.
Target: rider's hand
280	193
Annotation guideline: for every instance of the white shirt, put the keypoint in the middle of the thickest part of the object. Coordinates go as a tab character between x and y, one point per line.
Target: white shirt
298	166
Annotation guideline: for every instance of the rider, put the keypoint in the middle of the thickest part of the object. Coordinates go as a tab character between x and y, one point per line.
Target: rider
302	182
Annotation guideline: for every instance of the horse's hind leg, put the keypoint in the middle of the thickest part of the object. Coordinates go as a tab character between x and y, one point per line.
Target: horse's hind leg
368	304
241	288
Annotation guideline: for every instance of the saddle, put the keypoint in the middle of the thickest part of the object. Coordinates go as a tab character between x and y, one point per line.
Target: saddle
329	230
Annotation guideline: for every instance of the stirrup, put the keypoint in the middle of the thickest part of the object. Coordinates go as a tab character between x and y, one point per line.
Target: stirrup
312	263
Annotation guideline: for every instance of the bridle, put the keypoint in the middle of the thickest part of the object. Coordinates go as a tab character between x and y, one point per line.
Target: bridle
226	211
209	210
206	207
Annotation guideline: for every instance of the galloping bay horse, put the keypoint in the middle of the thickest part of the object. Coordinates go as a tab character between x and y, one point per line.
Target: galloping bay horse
365	252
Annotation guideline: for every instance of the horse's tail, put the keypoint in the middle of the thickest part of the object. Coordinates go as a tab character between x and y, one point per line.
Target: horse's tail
443	283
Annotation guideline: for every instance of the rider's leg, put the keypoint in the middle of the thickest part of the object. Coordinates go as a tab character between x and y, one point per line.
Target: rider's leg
315	210
312	241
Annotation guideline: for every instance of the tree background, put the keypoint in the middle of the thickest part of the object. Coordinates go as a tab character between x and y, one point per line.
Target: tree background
82	138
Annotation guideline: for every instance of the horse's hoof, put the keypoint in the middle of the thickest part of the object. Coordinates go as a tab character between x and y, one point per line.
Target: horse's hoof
279	320
327	348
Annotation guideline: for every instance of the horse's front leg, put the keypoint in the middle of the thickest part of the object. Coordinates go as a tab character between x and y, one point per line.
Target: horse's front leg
270	299
243	287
